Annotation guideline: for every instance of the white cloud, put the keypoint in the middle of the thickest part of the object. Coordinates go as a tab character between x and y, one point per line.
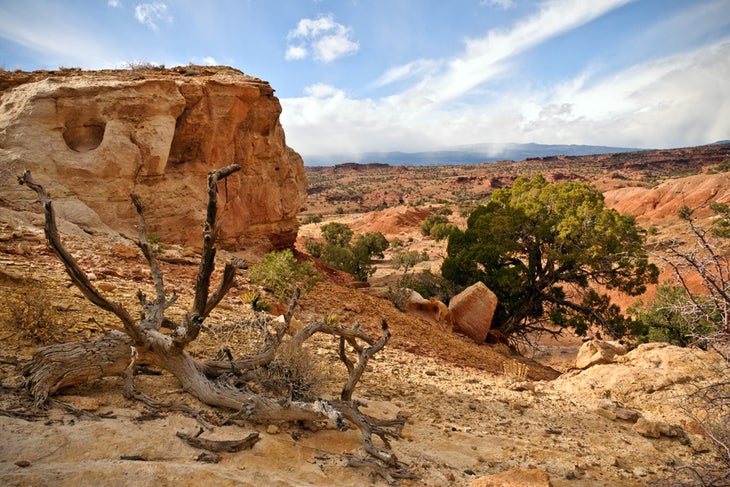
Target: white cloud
326	39
296	52
503	4
150	14
322	90
114	3
203	61
406	71
680	100
487	57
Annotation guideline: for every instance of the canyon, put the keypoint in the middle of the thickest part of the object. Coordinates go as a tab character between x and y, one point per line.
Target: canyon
477	414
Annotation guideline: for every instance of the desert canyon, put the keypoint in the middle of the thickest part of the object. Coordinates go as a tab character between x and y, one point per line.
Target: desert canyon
566	413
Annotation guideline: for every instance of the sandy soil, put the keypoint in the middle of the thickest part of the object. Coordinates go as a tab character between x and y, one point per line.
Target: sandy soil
473	411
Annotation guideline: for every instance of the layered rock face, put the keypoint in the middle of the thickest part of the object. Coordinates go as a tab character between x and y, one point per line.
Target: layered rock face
95	137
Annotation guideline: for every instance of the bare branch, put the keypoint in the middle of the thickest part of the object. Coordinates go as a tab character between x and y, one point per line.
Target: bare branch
364	354
154	315
207	260
78	276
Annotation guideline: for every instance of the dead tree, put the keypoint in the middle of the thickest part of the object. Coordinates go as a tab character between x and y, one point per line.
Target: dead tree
156	340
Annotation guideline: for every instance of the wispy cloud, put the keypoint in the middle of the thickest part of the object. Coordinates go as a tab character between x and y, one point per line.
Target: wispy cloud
114	3
503	4
485	58
675	101
150	14
205	61
326	39
406	71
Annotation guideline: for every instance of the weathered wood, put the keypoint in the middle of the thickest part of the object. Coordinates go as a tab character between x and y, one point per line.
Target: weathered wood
66	364
78	277
143	341
218	446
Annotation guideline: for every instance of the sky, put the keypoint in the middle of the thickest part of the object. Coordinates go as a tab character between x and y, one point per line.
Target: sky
356	76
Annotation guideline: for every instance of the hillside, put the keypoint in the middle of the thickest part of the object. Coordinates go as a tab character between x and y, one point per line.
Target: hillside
471	413
356	188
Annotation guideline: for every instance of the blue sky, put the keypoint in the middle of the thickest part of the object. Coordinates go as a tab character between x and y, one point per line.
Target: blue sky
412	75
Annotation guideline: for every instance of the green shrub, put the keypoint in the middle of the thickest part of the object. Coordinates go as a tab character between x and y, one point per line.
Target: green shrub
441	231
281	274
430	221
312	219
314	248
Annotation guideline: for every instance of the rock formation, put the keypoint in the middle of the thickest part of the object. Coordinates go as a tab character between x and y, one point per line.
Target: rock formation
595	352
95	137
431	310
473	310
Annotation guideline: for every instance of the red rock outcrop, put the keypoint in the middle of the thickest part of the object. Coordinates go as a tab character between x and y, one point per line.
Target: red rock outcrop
431	310
472	311
99	136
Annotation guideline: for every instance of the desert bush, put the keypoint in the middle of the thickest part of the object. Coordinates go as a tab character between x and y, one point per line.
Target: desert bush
670	317
442	231
312	219
337	234
406	259
313	248
375	242
354	258
295	373
396	243
281	274
398	295
32	315
142	65
430	221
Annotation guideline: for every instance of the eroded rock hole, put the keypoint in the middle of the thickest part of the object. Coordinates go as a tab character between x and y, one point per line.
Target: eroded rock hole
83	138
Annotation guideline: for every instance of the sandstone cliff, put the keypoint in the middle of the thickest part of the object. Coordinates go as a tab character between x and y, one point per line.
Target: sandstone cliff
95	137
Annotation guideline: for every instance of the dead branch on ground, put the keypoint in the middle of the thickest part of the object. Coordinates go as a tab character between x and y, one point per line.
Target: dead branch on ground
155	339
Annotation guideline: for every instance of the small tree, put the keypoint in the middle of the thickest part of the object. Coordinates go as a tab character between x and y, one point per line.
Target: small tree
548	251
282	275
707	304
338	234
375	242
670	317
432	220
355	258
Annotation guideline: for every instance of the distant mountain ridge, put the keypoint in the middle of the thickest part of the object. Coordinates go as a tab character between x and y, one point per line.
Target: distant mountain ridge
471	154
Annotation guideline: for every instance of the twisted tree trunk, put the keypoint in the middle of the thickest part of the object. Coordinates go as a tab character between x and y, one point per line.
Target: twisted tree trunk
144	342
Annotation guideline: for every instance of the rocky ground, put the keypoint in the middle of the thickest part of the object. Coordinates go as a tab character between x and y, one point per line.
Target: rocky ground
476	415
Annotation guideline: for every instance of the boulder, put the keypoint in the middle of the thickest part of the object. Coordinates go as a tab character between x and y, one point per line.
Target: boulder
472	311
596	352
93	137
655	429
431	310
514	477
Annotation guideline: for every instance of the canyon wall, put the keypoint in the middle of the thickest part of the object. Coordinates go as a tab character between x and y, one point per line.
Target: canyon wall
94	137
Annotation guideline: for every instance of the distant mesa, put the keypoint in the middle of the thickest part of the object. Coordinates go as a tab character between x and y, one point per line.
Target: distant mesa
472	154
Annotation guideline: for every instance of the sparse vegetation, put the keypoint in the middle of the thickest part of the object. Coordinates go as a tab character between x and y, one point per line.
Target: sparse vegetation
535	239
281	274
354	258
142	66
32	315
